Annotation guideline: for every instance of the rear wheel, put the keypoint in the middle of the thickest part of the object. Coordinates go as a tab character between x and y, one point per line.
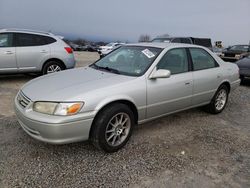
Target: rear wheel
112	128
219	100
52	66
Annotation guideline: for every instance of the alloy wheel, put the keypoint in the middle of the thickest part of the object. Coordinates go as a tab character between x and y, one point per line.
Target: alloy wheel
118	129
53	68
221	99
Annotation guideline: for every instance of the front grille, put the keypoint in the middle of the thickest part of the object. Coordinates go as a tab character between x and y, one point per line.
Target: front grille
229	55
23	100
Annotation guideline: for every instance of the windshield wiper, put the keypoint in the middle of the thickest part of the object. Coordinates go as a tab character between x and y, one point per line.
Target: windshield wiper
108	69
105	68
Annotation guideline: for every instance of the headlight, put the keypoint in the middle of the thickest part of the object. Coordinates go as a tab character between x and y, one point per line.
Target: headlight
238	56
54	108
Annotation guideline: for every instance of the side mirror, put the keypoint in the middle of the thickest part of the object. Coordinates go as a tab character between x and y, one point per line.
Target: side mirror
160	73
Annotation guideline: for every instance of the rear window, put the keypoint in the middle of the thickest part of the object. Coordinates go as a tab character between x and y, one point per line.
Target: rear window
206	42
186	41
23	39
161	40
176	40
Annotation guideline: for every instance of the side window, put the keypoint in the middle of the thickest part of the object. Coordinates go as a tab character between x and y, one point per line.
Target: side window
23	39
201	59
176	40
6	40
49	40
186	41
174	60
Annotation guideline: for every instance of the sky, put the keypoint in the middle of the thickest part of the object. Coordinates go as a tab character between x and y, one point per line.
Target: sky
126	20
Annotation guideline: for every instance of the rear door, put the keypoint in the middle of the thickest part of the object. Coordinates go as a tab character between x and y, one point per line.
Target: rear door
31	51
206	76
7	53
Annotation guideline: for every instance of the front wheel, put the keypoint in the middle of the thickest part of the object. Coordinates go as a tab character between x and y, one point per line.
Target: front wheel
112	128
219	100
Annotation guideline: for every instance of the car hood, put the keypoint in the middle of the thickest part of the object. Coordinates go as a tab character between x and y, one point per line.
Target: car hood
70	85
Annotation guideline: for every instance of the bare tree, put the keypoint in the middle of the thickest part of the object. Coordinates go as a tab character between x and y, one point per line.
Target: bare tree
144	38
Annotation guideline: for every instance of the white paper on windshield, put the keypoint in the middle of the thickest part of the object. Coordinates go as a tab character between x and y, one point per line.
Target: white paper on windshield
148	53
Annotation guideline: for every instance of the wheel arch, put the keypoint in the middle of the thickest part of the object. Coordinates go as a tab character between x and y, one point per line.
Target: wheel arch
105	105
227	84
53	59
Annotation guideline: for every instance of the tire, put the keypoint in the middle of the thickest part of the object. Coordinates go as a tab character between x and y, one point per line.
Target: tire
107	123
51	67
219	101
242	78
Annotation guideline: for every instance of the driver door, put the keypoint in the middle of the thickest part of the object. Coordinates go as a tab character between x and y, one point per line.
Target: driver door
166	95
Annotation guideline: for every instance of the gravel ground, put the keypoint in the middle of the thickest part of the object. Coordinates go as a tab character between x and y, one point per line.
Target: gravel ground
187	149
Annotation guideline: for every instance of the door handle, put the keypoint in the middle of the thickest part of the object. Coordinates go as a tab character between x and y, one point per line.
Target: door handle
43	51
187	83
9	52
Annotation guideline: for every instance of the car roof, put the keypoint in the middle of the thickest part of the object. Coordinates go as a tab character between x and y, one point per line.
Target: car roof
26	31
170	37
164	45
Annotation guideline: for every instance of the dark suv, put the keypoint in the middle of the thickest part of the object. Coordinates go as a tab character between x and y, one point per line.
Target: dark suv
206	42
236	52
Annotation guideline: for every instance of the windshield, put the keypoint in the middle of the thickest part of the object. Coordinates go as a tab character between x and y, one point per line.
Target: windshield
243	48
128	60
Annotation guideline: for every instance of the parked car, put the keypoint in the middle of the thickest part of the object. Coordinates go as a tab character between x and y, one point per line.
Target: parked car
90	48
236	52
218	51
24	51
244	66
104	50
206	42
134	84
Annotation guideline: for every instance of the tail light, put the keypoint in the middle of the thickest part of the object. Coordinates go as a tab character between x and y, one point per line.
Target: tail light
69	50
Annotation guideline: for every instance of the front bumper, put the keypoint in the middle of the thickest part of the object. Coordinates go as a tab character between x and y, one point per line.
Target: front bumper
54	133
230	58
245	72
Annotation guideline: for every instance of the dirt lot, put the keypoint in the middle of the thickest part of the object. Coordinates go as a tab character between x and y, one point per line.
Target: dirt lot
188	149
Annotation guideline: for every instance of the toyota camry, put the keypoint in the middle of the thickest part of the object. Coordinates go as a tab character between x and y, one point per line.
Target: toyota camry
133	84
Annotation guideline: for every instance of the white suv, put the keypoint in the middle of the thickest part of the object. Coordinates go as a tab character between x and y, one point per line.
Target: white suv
23	51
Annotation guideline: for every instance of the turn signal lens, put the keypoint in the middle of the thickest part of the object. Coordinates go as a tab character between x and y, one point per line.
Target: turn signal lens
64	109
73	109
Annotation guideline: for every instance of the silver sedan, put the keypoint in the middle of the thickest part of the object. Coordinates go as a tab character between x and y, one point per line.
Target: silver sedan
132	85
